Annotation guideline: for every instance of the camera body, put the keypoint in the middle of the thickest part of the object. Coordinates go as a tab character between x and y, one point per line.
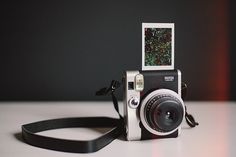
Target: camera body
153	107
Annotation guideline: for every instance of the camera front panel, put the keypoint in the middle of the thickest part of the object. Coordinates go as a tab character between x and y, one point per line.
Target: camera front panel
137	124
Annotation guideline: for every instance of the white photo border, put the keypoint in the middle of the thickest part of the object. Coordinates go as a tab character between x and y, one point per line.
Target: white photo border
158	25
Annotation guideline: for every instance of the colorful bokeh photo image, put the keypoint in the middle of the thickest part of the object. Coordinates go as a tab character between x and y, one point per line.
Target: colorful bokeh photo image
158	46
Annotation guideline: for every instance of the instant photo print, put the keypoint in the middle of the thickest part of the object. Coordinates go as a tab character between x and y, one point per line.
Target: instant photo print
157	46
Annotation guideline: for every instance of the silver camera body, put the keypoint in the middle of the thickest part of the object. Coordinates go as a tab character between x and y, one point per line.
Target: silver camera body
153	107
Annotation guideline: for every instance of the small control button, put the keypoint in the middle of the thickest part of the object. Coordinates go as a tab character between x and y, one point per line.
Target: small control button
134	102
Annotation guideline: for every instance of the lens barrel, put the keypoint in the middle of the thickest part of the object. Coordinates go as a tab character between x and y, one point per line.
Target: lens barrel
162	111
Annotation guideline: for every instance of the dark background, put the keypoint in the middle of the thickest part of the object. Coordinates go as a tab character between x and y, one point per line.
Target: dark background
66	50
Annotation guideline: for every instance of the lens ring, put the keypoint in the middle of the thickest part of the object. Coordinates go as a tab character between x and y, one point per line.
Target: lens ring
151	106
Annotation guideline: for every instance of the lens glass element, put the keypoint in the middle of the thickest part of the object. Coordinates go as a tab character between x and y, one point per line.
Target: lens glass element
164	113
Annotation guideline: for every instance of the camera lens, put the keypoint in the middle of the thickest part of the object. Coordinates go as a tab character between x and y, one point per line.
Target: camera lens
165	114
162	112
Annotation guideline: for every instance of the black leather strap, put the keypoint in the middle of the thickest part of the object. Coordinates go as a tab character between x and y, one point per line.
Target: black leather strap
188	117
29	134
76	146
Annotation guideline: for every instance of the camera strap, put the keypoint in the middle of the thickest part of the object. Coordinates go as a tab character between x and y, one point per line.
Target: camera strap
188	117
76	146
30	136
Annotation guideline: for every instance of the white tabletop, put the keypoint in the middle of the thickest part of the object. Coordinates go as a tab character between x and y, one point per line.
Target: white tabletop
214	137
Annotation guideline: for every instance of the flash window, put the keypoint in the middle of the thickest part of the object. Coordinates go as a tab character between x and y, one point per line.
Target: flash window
139	82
